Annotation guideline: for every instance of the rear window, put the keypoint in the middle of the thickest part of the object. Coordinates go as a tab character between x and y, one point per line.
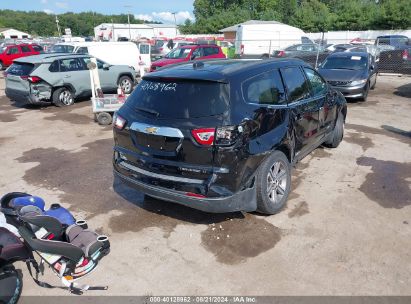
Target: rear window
62	49
20	69
37	48
25	49
180	98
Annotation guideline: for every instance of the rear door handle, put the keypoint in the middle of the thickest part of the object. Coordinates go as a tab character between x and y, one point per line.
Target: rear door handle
67	76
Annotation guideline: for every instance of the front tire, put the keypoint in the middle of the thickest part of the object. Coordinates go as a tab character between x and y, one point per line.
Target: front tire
366	91
273	183
126	84
62	97
337	134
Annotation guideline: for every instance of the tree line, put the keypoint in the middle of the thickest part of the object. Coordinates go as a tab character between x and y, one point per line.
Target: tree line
42	24
309	15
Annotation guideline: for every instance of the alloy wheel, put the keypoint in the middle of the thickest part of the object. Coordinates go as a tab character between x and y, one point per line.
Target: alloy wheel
276	182
125	85
66	98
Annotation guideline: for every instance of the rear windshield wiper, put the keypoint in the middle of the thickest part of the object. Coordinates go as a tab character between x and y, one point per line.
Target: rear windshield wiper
149	111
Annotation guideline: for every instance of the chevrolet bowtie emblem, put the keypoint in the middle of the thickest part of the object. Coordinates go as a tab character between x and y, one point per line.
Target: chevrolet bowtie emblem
151	130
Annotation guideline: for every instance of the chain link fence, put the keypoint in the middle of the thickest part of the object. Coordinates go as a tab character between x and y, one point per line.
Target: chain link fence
389	58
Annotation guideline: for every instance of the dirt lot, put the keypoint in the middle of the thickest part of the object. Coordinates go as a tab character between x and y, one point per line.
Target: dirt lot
346	229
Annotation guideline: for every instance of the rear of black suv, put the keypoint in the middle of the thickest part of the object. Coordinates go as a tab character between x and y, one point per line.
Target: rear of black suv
167	138
186	135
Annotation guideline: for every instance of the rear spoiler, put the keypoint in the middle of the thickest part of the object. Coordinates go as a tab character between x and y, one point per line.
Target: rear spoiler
185	78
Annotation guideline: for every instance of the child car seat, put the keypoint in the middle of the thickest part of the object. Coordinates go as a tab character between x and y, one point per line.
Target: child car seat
72	252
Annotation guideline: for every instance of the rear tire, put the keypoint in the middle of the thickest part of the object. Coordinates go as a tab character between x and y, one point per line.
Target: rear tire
264	56
104	118
126	84
273	183
63	97
337	134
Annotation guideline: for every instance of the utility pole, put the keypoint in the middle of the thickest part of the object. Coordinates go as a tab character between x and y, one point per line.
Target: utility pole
58	26
128	18
175	21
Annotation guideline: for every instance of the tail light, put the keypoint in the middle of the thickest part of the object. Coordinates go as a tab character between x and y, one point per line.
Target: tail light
242	49
119	122
405	55
222	136
34	79
160	49
281	54
204	137
24	77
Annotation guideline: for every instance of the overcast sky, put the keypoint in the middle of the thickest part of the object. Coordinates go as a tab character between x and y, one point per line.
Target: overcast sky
154	10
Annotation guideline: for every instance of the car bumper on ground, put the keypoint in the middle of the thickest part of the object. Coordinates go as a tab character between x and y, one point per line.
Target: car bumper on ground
245	200
351	92
22	96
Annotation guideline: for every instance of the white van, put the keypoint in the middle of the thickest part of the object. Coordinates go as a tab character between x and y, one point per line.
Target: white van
258	39
116	53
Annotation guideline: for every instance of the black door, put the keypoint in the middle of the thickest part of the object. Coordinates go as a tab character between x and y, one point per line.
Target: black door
320	93
304	110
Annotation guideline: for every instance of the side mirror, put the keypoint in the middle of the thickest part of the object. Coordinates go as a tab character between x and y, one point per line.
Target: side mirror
106	66
372	67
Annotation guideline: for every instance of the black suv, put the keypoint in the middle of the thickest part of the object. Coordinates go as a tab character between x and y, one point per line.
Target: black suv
221	136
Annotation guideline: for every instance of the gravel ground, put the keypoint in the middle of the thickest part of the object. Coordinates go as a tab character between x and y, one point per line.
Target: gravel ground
345	231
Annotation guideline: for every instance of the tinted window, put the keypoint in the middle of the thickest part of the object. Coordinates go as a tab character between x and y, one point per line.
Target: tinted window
297	85
144	49
345	63
25	49
20	69
87	60
266	88
210	51
180	99
318	85
37	48
70	65
82	50
54	67
179	53
62	48
197	53
13	50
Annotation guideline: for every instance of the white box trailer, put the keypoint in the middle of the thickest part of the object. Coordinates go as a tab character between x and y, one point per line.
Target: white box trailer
116	53
260	39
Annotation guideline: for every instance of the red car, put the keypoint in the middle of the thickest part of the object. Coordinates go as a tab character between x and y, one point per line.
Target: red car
14	51
187	53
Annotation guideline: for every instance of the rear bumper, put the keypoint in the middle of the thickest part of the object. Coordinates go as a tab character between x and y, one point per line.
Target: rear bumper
245	200
21	96
351	92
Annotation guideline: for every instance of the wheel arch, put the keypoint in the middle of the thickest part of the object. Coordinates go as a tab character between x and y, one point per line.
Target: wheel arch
128	74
